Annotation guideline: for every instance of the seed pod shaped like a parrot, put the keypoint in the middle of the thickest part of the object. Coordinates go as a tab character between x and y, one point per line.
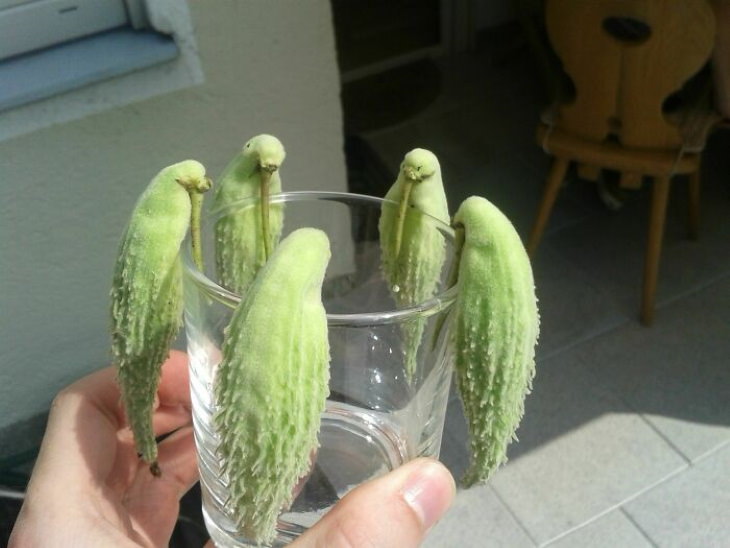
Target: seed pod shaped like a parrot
146	295
245	238
412	247
495	326
273	381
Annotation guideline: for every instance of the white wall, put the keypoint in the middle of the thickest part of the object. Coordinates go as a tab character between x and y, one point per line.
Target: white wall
67	190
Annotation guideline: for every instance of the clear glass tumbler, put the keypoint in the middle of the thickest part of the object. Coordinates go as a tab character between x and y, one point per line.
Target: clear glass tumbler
377	416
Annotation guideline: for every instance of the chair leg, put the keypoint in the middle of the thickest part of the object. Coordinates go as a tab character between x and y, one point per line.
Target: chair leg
659	198
693	227
552	186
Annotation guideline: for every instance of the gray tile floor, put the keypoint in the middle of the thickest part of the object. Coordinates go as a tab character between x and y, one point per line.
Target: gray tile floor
626	437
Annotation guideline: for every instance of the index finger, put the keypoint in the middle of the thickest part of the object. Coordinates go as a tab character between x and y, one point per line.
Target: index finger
81	436
102	390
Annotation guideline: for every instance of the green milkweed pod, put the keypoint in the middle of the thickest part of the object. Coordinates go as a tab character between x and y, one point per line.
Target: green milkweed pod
246	238
272	383
146	294
495	329
412	248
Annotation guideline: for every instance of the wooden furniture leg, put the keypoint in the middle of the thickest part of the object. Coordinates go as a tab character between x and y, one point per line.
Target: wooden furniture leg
659	198
693	225
552	186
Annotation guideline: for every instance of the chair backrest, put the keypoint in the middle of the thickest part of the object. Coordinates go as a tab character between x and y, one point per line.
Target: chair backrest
625	58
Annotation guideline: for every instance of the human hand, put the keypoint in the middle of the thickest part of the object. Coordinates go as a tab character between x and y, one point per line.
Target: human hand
89	488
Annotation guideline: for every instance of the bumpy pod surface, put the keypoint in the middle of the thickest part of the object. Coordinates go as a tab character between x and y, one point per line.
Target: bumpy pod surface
495	328
146	295
240	248
272	384
412	247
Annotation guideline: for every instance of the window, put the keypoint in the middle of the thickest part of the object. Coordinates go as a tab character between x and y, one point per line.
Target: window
64	59
29	25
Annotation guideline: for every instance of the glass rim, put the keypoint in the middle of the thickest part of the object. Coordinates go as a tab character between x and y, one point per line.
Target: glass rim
429	307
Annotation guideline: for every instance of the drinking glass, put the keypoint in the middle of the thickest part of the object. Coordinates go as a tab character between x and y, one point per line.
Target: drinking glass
378	415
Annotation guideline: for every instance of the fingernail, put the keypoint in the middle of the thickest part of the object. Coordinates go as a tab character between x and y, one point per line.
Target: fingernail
429	491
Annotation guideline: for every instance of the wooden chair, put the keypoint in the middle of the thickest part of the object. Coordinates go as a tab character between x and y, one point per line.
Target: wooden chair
626	58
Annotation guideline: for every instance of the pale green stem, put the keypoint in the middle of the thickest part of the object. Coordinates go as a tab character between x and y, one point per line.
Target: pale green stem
265	179
196	203
459	237
452	278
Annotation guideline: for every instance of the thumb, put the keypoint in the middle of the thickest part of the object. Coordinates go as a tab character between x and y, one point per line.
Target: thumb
395	510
